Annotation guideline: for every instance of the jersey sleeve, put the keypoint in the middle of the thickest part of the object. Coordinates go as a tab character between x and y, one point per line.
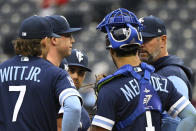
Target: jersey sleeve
106	105
175	102
180	85
65	87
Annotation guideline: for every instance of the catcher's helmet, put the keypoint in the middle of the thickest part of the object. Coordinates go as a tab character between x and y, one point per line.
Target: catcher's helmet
122	28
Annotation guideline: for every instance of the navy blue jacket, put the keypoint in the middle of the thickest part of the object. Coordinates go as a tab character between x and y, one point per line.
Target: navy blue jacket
172	65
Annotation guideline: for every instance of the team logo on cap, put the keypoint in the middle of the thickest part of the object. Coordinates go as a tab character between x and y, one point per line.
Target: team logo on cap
141	20
159	30
24	33
79	56
66	67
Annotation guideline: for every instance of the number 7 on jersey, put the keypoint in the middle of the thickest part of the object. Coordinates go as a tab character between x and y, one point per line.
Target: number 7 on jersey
19	101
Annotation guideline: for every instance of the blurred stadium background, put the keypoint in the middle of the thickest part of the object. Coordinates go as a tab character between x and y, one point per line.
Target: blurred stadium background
178	16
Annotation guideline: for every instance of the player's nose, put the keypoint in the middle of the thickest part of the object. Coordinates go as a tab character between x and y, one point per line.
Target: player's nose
72	39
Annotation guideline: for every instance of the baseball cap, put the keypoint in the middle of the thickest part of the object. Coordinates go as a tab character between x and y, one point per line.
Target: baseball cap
36	27
64	64
61	25
78	58
152	26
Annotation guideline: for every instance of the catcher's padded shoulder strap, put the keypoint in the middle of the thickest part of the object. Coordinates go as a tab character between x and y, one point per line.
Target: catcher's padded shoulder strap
124	70
148	98
106	80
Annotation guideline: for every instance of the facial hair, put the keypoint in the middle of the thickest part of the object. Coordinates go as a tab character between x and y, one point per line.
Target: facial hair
148	59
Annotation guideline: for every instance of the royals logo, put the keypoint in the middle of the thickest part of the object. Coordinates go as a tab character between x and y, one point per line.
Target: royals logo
141	20
79	56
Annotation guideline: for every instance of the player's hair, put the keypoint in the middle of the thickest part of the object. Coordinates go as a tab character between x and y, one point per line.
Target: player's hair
128	50
27	47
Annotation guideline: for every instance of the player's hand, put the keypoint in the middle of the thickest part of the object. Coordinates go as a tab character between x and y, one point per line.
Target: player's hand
100	76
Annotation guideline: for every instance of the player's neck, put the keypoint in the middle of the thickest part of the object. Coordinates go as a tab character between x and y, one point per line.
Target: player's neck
131	60
54	60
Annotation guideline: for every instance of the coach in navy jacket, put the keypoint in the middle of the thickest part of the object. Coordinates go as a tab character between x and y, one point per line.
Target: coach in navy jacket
154	51
171	66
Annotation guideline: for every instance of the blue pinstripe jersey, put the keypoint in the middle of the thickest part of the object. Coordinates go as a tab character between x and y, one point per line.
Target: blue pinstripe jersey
118	98
31	93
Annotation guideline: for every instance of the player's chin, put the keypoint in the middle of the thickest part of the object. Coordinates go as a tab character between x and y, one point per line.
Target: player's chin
77	85
70	49
67	53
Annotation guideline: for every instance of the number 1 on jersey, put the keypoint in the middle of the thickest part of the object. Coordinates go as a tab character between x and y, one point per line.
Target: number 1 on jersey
19	101
149	122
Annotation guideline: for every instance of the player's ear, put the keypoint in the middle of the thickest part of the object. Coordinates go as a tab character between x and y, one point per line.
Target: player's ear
54	40
163	40
44	41
111	51
163	37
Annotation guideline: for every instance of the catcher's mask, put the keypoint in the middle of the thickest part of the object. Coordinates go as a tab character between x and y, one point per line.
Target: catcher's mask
122	28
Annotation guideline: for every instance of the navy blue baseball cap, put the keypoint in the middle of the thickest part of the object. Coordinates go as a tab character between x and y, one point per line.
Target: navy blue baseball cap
78	58
64	64
36	27
152	26
61	25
